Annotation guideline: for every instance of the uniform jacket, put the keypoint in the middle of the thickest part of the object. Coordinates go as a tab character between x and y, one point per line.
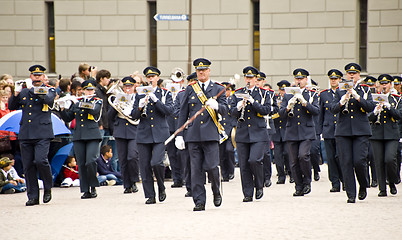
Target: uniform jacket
227	120
279	123
301	126
356	122
254	128
274	109
121	127
388	128
327	120
86	127
154	128
36	122
203	127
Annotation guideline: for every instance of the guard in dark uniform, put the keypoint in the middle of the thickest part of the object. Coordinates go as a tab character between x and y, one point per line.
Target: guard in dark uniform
35	133
327	124
203	134
251	133
125	132
87	137
280	150
397	90
300	130
152	131
385	138
353	131
226	149
315	151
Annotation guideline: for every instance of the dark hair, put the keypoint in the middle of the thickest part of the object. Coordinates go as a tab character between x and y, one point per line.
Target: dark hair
69	160
63	84
9	155
267	85
101	74
104	149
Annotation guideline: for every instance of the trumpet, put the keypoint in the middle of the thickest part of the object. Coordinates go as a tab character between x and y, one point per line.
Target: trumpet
144	110
58	103
177	75
379	114
346	109
291	113
243	109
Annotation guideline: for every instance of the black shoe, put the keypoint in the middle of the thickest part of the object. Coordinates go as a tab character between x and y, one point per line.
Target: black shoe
199	207
351	200
225	179
188	194
374	183
291	180
135	188
267	183
217	200
307	189
150	201
393	188
247	199
93	192
128	190
231	176
316	176
335	189
32	202
162	196
177	185
280	181
382	194
259	193
362	193
47	196
86	195
298	193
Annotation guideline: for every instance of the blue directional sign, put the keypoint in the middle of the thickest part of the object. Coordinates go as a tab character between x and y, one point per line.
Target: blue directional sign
171	17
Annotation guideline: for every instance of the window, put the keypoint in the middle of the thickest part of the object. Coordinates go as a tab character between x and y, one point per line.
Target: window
153	48
363	34
51	46
256	34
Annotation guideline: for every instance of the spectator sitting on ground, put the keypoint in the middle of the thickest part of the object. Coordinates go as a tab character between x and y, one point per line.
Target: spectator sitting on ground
70	172
13	172
7	184
106	174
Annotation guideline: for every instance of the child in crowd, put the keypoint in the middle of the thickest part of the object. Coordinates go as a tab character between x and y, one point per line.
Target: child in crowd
106	174
7	184
70	172
4	103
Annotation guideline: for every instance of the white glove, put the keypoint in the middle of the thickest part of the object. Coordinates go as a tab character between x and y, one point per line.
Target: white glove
387	105
212	103
127	111
291	103
239	105
179	143
343	100
301	98
68	104
17	87
153	97
355	95
141	104
62	105
250	99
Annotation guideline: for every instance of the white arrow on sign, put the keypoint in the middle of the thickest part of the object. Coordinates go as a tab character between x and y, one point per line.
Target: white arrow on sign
171	17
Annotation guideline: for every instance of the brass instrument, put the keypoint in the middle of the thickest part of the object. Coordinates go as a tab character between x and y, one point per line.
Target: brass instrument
177	75
241	118
58	102
144	110
379	114
291	113
26	83
120	102
346	109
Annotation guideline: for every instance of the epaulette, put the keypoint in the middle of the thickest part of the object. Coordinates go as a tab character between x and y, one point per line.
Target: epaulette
311	90
181	90
324	90
164	89
396	95
364	85
219	84
271	90
238	89
96	98
192	83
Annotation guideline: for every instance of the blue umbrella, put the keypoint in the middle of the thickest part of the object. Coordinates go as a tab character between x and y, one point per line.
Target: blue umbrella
11	122
59	159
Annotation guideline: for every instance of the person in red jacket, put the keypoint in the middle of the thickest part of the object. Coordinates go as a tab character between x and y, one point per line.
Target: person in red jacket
70	172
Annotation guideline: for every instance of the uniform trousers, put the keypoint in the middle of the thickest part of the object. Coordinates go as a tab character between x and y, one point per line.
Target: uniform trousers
267	161
175	162
398	161
204	157
151	160
128	160
34	159
334	166
315	154
185	161
251	157
353	152
371	165
281	159
227	158
300	164
385	161
86	152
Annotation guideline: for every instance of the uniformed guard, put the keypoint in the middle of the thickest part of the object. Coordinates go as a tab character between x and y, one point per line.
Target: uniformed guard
152	131
300	130
396	83
203	134
280	149
385	138
86	137
397	86
315	150
226	149
35	132
125	132
249	107
353	131
327	124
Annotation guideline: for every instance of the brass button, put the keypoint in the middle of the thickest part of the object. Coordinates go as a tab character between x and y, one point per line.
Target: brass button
280	127
81	114
298	116
126	124
82	125
334	121
224	124
248	110
280	121
202	122
248	118
82	110
298	123
202	114
152	104
192	104
152	118
30	105
223	118
29	120
152	111
152	125
385	116
30	113
351	103
82	120
30	98
298	110
385	121
326	108
351	116
351	110
249	125
175	118
334	115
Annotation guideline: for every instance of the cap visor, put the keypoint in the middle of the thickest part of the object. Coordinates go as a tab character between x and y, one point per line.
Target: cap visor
201	68
37	73
334	77
299	77
249	75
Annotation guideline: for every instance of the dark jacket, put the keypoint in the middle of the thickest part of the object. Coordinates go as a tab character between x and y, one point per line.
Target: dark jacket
327	119
100	92
105	168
